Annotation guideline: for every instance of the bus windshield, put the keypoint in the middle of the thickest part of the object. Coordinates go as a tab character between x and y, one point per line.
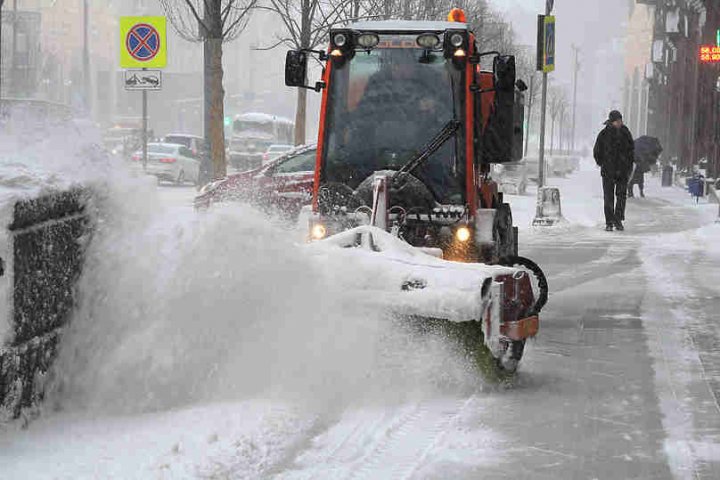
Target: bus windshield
384	107
240	126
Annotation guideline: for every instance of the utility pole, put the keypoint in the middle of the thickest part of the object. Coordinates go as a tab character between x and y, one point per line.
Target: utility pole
576	69
87	97
13	63
543	108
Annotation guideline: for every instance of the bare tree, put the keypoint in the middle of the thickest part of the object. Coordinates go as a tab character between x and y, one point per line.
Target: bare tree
212	22
556	106
305	26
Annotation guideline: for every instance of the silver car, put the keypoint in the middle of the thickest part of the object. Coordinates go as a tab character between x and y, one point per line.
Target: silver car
170	162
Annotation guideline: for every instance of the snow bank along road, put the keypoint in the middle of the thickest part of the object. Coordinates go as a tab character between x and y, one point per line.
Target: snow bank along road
211	362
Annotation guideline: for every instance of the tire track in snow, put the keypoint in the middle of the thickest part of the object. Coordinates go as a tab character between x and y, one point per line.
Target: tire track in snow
367	444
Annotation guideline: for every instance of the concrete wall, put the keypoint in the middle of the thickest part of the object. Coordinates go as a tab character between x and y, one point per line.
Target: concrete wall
46	240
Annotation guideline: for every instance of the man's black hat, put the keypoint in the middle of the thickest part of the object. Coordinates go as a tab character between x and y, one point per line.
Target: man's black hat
614	115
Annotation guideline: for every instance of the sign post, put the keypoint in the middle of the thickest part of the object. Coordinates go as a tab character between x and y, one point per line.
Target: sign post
142	46
545	64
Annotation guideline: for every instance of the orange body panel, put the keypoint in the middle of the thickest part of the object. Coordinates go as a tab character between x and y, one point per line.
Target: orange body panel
321	137
470	185
521	329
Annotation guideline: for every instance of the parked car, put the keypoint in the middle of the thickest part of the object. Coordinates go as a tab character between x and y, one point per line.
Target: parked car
512	177
274	151
282	185
195	143
170	162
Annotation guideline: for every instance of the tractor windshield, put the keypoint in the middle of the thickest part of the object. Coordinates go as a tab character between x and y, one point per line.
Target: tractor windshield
384	106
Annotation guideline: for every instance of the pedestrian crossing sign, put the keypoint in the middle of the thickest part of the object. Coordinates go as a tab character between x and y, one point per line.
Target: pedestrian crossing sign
143	42
546	43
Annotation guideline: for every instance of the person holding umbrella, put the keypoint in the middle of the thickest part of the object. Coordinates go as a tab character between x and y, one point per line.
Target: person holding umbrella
614	154
647	151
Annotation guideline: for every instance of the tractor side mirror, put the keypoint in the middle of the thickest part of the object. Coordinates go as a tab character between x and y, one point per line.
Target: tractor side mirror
295	68
504	71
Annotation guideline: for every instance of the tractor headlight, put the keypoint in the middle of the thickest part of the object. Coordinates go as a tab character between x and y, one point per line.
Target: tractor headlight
456	40
368	40
340	40
463	234
318	231
455	44
428	40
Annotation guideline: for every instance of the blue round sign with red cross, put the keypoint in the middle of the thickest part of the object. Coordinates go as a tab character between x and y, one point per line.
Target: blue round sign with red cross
142	42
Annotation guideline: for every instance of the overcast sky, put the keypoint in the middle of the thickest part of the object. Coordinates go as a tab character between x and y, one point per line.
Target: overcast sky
597	27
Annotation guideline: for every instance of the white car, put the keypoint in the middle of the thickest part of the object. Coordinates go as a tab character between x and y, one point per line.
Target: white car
170	162
275	151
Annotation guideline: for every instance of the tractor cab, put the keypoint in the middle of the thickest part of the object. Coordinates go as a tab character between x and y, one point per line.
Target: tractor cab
409	127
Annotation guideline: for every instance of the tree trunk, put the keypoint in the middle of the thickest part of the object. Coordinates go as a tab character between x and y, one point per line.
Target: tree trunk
552	135
217	111
301	107
206	165
213	165
300	116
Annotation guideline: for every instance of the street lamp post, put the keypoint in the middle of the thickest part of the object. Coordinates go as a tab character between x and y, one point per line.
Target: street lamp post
1	73
576	69
543	108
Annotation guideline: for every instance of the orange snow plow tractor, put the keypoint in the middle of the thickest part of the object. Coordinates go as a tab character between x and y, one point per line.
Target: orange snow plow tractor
410	124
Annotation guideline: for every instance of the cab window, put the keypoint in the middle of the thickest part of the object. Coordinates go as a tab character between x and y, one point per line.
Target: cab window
302	162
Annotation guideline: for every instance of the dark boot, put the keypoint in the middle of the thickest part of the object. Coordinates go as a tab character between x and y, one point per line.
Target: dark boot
630	191
608	228
642	192
619	226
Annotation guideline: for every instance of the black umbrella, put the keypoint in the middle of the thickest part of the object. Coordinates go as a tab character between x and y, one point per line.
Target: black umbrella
647	149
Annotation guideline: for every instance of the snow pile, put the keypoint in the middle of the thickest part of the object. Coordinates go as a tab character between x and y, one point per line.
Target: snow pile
37	155
217	441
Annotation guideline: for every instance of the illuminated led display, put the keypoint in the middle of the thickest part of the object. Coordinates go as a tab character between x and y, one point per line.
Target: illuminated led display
709	54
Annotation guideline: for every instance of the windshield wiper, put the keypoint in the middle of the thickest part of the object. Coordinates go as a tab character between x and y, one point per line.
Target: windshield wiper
432	146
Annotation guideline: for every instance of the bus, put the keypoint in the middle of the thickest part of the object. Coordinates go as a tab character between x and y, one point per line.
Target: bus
252	134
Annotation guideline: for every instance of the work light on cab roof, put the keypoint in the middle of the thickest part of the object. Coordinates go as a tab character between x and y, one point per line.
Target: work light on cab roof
410	125
457	15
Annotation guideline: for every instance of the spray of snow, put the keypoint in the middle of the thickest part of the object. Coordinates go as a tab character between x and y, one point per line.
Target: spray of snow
177	308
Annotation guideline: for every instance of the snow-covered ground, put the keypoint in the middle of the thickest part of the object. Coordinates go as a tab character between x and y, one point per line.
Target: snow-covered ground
215	346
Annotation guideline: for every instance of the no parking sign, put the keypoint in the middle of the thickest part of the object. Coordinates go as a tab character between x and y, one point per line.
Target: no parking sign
143	42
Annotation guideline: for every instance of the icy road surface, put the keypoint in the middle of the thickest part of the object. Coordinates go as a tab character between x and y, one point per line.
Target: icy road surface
209	359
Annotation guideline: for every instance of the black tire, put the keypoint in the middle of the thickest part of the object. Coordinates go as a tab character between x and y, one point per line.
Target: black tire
540	278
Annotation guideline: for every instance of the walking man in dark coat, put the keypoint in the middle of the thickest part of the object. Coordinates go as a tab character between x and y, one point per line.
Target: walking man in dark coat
614	153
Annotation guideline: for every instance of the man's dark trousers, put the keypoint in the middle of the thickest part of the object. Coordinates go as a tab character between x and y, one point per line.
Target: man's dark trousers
615	186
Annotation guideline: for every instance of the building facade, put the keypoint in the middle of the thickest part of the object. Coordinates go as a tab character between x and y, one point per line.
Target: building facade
683	92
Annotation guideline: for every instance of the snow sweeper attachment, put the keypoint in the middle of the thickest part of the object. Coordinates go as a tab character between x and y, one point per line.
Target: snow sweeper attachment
409	126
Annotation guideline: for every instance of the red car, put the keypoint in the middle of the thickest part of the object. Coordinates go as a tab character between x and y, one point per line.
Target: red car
283	185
